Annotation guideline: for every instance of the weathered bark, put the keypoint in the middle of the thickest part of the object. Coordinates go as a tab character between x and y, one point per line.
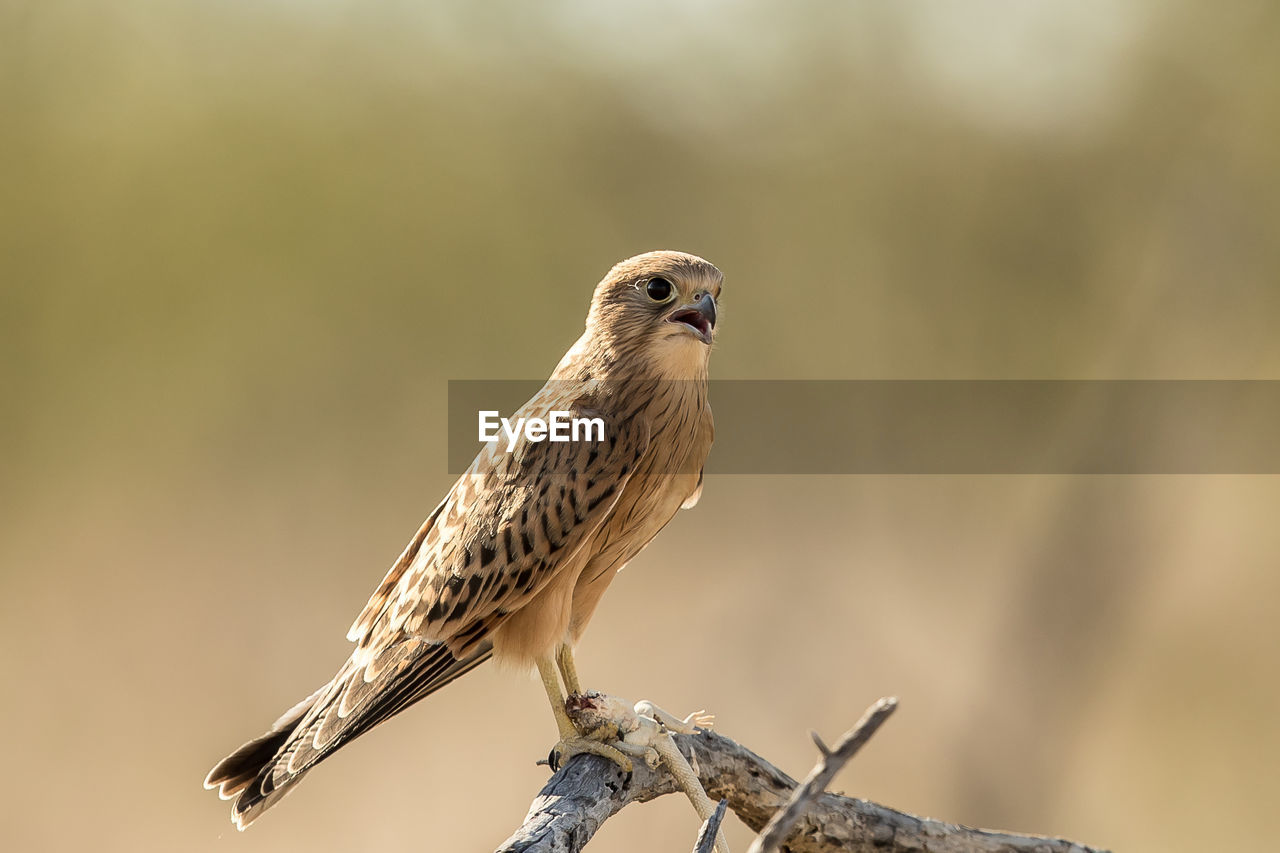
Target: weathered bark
589	790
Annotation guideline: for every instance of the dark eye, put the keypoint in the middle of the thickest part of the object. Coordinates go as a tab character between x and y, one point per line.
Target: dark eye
659	289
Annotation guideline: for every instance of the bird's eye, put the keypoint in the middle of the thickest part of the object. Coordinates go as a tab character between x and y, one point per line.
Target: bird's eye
659	289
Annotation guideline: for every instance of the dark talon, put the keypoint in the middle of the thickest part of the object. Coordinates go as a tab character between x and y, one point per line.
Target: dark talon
553	760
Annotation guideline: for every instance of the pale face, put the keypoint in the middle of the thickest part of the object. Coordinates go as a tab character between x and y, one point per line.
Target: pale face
676	311
659	308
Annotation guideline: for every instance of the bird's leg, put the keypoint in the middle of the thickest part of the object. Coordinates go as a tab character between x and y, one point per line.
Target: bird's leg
573	687
568	671
572	741
552	685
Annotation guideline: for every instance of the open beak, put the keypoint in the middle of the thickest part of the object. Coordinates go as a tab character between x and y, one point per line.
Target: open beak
699	317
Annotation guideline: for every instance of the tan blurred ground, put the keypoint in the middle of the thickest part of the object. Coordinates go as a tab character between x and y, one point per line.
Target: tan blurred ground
243	246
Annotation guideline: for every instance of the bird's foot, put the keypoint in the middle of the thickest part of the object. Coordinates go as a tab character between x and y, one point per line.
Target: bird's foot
644	731
606	725
576	745
584	728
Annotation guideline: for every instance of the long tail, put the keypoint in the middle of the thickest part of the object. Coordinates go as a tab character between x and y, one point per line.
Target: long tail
266	768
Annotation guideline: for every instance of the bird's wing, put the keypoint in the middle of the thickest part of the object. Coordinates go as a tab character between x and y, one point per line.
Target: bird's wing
696	495
260	773
504	530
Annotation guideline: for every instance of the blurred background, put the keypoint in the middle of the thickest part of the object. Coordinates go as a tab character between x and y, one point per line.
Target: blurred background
245	245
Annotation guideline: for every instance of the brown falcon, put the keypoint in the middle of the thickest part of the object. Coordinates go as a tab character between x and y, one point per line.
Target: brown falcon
513	561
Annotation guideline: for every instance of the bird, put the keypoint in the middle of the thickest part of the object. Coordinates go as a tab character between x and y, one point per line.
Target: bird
514	560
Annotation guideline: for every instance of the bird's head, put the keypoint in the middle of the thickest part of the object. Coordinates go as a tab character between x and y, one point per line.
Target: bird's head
659	307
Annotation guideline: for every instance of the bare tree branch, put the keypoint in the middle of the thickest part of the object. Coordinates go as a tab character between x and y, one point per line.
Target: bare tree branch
589	790
585	793
829	763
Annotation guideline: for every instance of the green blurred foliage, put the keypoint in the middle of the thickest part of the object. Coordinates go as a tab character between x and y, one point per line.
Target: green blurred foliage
243	246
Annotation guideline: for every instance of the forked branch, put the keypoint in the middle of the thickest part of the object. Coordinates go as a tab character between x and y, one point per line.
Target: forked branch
589	790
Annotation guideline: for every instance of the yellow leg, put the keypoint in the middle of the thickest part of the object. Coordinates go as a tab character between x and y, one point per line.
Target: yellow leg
568	671
551	684
572	741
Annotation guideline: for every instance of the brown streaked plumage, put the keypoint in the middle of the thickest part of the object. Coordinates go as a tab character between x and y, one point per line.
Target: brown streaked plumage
514	560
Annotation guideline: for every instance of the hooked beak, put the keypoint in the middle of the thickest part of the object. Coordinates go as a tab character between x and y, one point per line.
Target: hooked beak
699	317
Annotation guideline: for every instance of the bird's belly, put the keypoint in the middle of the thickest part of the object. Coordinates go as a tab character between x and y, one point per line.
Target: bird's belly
540	625
626	534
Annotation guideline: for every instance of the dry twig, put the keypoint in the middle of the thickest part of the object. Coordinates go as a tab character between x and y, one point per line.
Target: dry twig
710	829
829	764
